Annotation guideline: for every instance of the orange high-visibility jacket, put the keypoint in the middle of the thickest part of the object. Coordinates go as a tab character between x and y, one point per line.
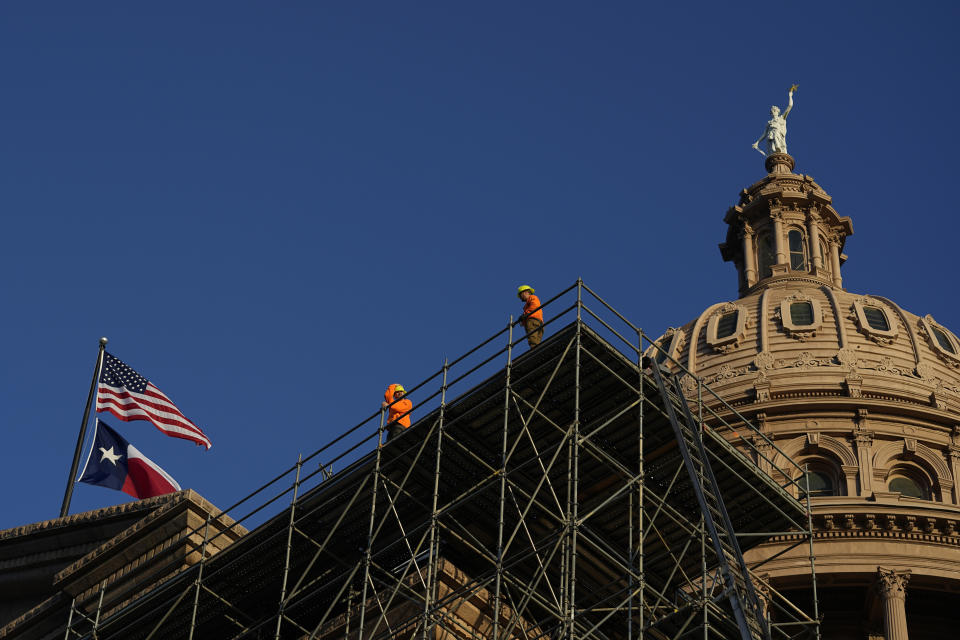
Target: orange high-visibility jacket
398	408
532	303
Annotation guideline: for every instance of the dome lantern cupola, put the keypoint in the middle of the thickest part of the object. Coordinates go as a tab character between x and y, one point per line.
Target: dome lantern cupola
785	228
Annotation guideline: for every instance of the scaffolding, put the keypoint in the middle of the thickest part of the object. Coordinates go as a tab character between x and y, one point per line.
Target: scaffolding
586	488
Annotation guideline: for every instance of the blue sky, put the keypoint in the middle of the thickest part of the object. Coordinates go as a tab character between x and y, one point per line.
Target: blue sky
273	211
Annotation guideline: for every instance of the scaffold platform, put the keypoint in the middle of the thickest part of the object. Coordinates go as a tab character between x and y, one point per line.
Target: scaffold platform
571	491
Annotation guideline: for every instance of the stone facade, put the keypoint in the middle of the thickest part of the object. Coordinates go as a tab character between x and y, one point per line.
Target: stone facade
108	556
862	391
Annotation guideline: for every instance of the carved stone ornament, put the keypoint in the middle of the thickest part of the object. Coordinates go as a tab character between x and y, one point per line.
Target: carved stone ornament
806	360
761	390
854	385
937	399
764	360
679	342
925	371
727	372
886	365
761	583
848	359
893	584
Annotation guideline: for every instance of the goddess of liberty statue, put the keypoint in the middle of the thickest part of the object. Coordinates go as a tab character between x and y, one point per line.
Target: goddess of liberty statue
776	132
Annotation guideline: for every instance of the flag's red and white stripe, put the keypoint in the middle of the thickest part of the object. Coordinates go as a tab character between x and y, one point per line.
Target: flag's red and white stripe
150	405
145	478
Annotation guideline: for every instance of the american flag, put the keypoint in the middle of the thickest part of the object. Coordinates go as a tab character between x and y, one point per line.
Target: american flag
129	396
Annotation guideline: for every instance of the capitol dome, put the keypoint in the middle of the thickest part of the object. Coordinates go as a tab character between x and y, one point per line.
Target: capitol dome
861	391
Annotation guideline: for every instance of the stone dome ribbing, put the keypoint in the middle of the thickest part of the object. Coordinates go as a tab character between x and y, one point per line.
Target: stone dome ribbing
838	356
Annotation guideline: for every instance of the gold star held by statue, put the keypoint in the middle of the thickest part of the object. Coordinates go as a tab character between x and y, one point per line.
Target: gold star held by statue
794	88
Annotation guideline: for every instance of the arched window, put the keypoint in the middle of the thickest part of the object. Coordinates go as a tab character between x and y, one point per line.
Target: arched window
821	484
665	347
825	258
765	257
943	340
824	476
909	482
798	252
940	338
663	351
876	318
726	327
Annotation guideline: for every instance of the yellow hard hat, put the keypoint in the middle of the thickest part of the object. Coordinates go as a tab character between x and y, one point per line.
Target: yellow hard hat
398	387
523	288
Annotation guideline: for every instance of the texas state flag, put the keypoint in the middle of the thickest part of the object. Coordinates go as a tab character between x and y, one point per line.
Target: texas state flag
115	463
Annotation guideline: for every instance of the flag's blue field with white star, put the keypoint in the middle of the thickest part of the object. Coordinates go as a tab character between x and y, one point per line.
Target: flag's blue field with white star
116	464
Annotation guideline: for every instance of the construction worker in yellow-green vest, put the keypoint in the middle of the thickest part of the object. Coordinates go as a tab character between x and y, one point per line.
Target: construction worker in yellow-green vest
532	318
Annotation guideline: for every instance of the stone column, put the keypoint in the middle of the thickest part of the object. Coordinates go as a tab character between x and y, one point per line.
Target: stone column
864	441
893	587
749	264
764	455
813	232
955	471
835	261
778	243
850	474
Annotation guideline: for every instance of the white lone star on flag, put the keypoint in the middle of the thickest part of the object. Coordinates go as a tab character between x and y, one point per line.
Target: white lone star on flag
108	454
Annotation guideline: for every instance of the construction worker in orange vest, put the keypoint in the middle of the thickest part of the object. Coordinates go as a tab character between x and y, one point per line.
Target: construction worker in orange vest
532	318
398	408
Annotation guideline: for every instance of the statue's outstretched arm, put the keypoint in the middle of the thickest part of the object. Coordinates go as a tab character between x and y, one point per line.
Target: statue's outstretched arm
786	111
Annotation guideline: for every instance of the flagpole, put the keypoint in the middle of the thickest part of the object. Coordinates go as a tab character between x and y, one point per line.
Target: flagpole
68	494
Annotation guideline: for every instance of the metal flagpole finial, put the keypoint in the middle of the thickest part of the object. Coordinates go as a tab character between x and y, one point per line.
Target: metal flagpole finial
104	341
